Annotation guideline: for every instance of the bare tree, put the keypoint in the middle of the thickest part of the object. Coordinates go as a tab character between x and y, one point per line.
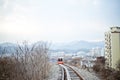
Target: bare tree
29	62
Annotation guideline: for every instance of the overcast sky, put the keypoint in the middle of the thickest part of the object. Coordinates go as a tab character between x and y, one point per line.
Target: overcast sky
57	20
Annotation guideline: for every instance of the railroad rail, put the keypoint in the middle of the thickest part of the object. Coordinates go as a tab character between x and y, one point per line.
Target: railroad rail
69	73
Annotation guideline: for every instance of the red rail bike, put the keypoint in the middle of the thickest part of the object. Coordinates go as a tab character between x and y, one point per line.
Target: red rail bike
60	61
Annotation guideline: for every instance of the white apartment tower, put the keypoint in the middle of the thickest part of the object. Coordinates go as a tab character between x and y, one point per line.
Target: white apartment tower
112	46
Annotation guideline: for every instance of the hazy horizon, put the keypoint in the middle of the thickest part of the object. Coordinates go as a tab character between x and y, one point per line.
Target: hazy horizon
57	21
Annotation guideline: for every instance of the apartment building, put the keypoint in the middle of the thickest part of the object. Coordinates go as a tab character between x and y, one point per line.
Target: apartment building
112	46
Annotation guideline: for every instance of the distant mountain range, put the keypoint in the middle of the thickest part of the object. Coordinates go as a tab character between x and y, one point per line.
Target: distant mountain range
66	47
7	47
77	45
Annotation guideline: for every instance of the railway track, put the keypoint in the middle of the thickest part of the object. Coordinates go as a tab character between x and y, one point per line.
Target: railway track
61	74
69	73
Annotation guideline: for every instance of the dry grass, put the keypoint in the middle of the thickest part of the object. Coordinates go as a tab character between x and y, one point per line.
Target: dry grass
107	74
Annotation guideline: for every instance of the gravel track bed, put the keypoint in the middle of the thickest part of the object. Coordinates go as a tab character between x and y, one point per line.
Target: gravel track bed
55	73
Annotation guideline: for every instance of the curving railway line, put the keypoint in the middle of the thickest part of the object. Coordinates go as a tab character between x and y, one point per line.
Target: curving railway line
68	73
